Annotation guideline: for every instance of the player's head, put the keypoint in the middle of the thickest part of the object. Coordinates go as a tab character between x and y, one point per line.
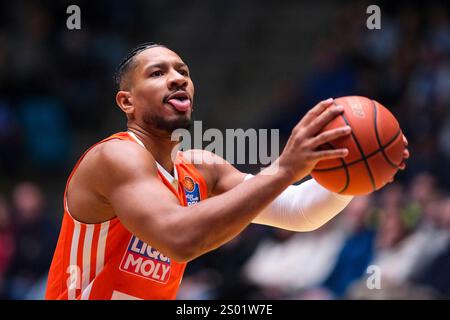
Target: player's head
155	89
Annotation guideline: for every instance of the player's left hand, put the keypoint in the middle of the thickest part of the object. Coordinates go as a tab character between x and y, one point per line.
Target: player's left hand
405	154
402	166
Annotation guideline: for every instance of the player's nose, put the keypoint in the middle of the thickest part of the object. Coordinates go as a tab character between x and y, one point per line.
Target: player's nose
176	80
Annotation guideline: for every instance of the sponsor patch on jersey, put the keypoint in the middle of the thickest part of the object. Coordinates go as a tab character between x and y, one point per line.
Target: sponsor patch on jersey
145	261
191	190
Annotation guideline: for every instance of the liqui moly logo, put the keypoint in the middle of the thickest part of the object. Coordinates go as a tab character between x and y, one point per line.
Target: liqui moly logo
145	261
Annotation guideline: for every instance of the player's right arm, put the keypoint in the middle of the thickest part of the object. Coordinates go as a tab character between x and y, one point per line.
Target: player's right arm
126	177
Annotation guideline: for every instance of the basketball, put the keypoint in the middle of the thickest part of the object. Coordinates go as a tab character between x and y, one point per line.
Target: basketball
375	148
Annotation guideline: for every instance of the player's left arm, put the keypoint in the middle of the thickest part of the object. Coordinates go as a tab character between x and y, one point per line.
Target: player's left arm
303	207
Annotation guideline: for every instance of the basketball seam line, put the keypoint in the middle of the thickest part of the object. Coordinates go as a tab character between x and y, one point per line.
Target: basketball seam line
363	156
347	174
370	155
375	110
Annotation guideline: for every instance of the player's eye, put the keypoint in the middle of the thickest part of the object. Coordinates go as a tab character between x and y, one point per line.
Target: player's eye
157	73
184	72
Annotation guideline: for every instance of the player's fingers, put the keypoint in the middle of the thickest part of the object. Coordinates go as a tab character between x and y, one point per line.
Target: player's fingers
330	135
329	154
405	154
317	110
323	119
402	165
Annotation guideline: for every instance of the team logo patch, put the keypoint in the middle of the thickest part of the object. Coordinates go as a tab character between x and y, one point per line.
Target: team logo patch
145	261
192	191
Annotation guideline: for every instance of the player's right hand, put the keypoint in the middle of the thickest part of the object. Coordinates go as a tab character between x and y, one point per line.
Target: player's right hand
301	153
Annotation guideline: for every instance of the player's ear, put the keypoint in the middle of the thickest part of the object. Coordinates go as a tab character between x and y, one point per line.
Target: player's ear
125	102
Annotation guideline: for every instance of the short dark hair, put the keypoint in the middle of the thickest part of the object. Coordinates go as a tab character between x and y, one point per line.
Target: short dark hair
128	62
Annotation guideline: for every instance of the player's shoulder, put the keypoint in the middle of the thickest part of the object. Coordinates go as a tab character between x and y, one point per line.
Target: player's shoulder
115	150
117	156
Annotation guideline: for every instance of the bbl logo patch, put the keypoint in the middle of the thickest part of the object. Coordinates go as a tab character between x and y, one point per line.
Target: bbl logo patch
192	191
142	260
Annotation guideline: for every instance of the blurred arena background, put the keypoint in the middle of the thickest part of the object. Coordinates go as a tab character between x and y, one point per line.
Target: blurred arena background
255	64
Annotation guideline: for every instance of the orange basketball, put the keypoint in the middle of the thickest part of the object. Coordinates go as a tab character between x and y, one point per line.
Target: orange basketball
375	149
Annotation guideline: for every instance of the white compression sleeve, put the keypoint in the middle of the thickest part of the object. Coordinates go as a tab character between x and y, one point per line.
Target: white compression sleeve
304	207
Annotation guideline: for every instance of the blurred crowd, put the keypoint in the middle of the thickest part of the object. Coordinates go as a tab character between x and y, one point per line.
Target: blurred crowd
28	234
56	93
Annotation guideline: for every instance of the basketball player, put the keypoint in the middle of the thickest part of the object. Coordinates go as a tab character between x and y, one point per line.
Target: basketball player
133	216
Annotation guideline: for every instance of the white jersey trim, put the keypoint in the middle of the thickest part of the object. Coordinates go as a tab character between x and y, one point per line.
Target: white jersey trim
173	180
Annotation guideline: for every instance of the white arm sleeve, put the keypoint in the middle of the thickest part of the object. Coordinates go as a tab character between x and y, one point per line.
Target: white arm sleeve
304	207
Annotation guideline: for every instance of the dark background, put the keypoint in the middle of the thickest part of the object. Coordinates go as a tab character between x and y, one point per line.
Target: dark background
255	64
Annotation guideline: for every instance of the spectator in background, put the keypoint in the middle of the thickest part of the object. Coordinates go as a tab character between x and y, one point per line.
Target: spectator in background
422	191
7	244
401	246
430	237
355	253
392	248
288	263
435	274
415	266
35	239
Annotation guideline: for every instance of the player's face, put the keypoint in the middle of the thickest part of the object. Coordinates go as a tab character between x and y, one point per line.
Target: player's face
162	90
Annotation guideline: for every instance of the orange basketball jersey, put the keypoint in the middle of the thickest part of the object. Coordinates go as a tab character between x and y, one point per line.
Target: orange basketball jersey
106	261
